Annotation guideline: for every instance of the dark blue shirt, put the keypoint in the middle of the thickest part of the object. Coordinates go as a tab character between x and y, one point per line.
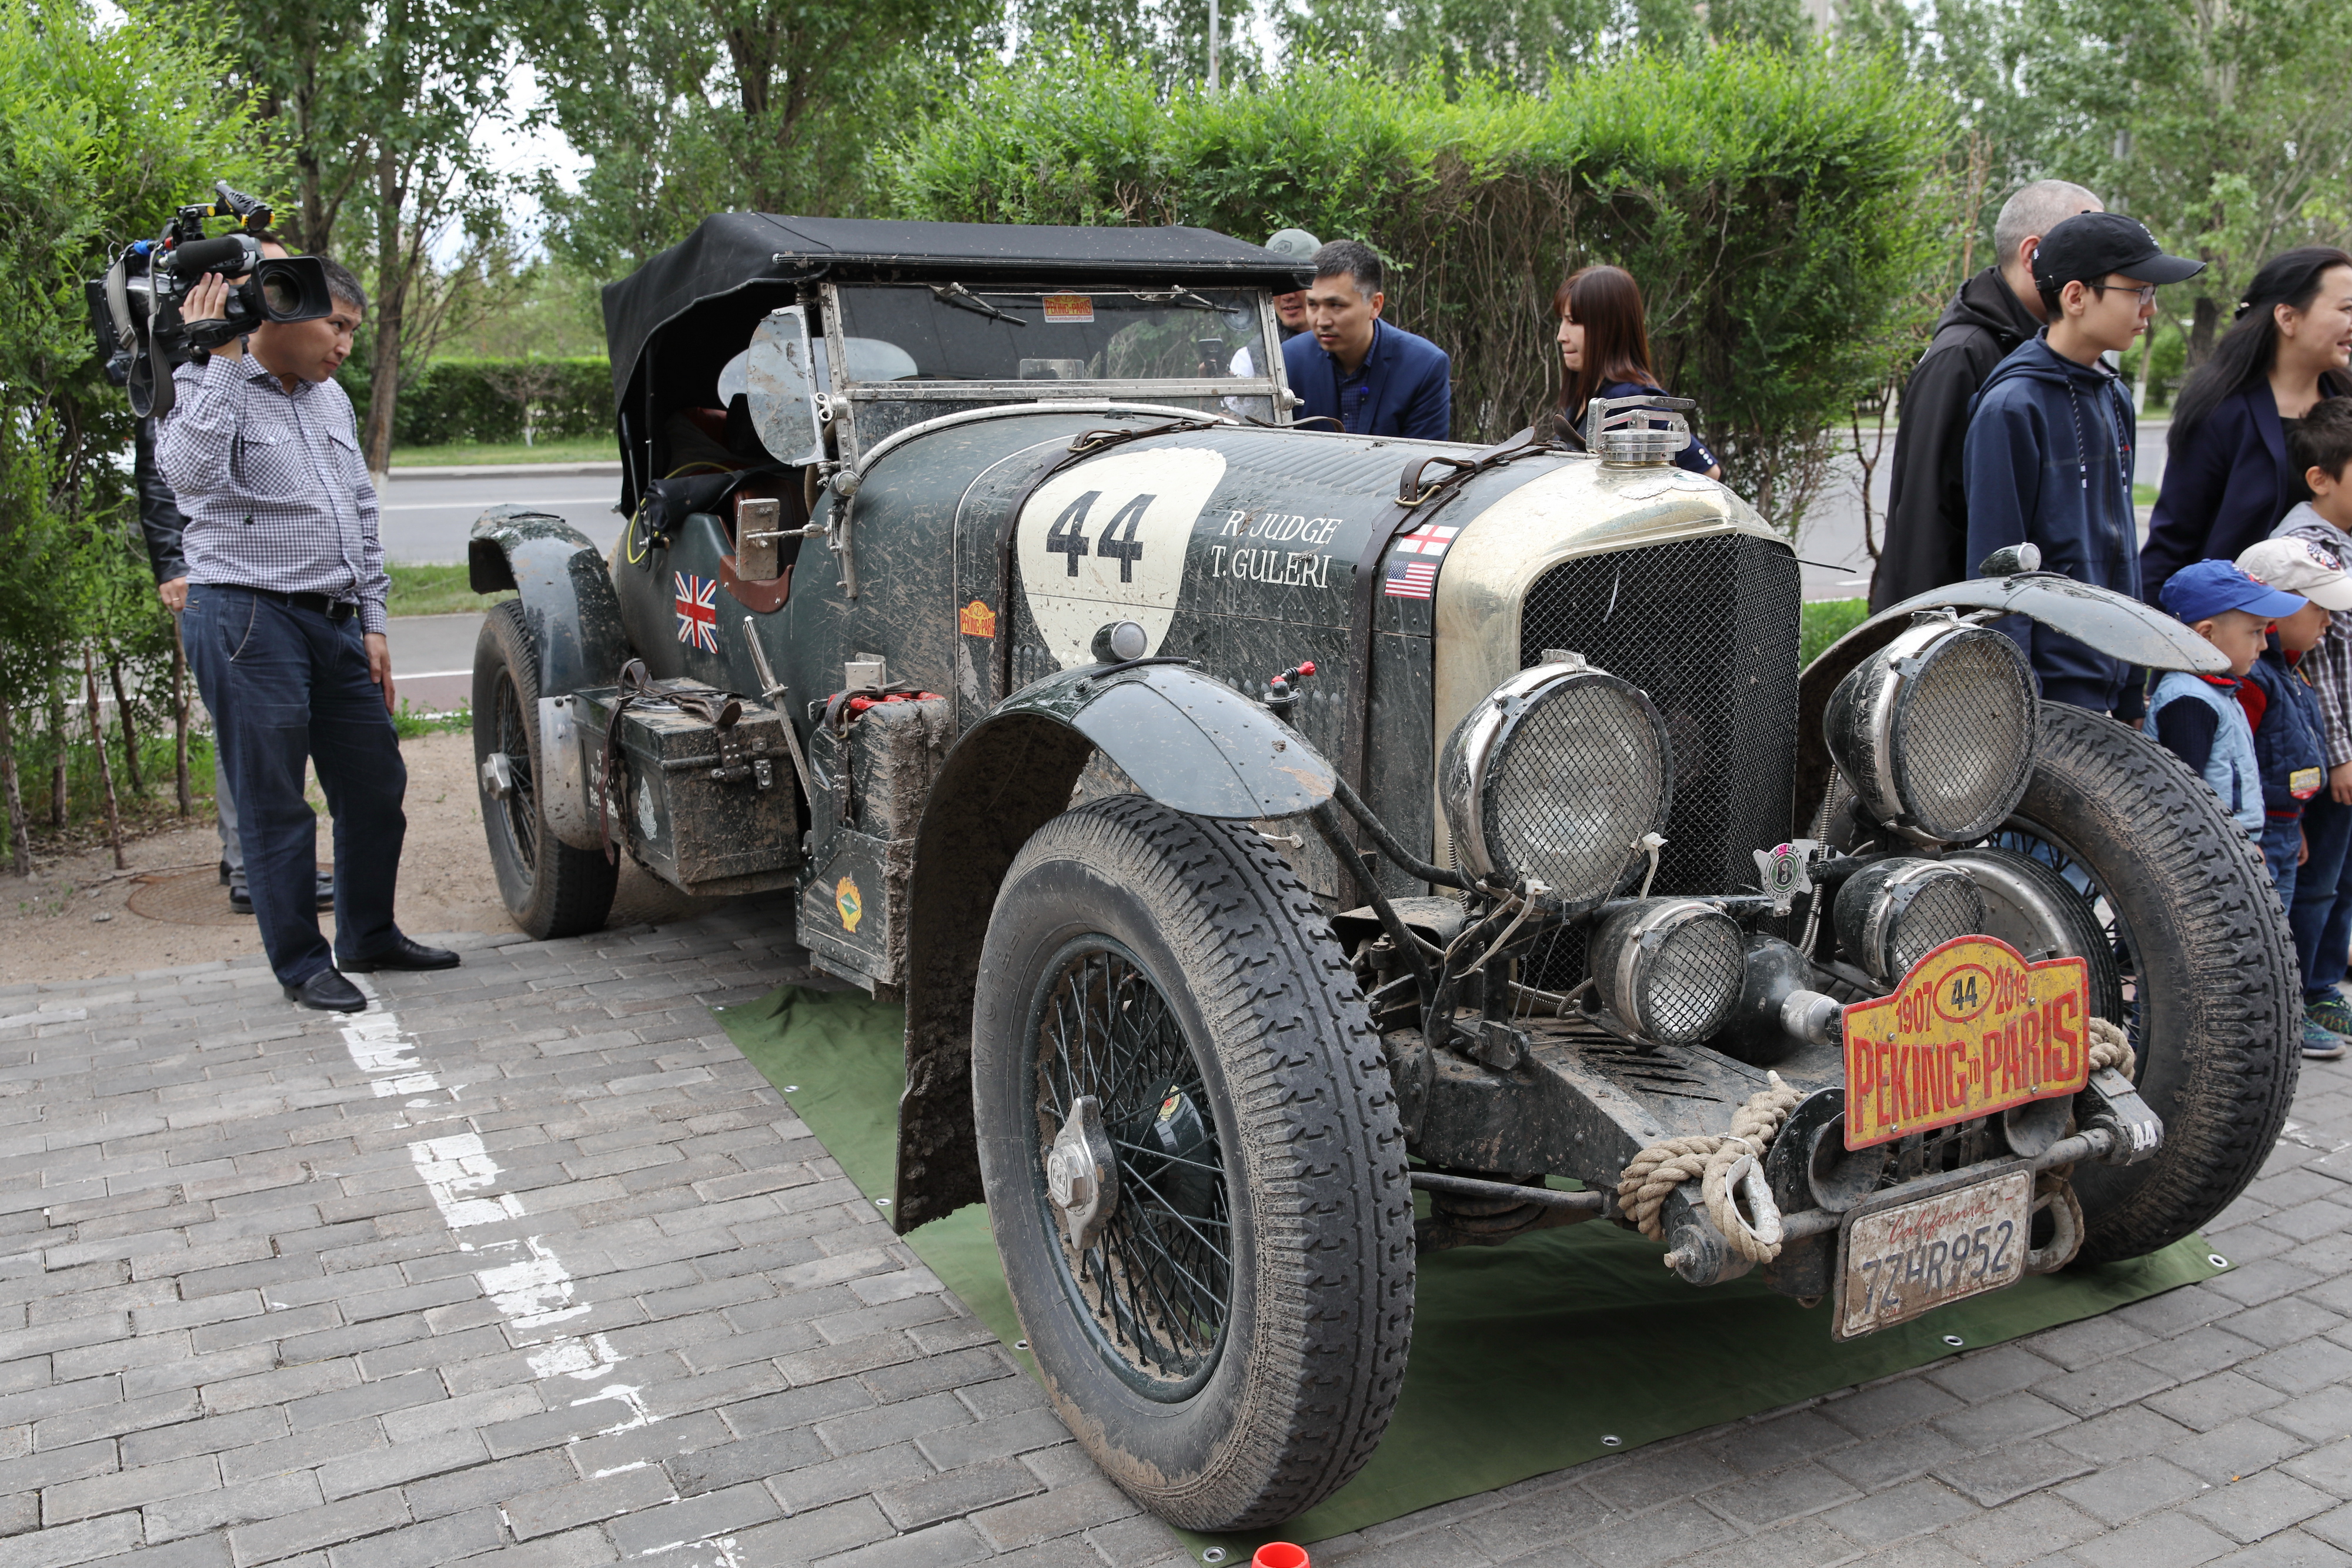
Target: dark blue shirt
1355	396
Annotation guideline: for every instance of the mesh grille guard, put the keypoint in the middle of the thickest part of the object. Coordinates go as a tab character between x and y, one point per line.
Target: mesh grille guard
1707	627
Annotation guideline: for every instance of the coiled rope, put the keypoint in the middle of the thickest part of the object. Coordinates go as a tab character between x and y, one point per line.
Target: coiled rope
1714	1161
2110	1047
1652	1175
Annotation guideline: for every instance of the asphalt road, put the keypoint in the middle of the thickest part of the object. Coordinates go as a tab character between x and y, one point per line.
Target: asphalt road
1831	540
427	516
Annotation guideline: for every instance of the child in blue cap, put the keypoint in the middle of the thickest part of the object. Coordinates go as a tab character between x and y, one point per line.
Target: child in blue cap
2203	719
2199	718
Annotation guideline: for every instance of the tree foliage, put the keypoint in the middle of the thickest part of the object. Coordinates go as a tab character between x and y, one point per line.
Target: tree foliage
1768	200
2222	124
104	130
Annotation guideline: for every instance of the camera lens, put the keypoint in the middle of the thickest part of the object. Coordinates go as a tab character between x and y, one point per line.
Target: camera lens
279	295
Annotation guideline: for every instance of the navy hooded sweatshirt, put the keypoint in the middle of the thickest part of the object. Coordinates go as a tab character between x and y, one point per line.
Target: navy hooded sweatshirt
2048	460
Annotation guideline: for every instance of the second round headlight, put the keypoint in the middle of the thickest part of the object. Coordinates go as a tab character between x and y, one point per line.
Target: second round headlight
1672	967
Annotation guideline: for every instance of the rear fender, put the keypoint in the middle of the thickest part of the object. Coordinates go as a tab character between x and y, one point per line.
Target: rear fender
1185	740
2116	624
568	603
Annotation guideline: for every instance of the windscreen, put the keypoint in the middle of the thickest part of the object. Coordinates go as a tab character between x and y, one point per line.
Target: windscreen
945	332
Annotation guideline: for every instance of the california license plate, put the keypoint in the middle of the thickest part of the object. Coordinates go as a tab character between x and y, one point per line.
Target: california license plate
1911	1257
1972	1029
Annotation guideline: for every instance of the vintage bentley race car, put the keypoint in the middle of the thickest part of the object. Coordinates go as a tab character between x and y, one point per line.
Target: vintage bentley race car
1263	826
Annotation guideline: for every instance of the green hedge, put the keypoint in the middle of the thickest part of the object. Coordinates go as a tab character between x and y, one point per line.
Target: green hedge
1774	205
481	400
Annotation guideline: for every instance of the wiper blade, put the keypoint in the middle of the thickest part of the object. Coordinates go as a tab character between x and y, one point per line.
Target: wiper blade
963	298
1178	295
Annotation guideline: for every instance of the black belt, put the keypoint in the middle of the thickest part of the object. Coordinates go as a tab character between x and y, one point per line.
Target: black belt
317	603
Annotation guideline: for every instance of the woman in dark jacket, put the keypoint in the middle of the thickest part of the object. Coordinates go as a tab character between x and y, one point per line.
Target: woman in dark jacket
1604	345
2227	479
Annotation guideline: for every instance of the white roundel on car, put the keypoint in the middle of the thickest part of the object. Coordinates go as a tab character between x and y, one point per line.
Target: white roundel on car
1107	541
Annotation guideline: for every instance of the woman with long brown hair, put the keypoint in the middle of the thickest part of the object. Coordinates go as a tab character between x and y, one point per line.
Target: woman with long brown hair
1605	346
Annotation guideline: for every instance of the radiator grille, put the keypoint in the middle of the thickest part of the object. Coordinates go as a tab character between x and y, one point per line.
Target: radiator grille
1707	627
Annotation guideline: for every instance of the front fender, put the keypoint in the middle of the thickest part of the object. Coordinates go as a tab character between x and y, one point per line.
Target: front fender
1186	740
568	603
2116	624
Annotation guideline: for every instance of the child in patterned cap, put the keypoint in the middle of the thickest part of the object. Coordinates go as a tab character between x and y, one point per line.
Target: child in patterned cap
2319	448
2290	733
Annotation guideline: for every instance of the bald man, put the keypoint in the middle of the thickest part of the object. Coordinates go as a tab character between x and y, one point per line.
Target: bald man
1927	511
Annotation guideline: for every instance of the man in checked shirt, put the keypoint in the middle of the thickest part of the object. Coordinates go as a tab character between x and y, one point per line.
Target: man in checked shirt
285	612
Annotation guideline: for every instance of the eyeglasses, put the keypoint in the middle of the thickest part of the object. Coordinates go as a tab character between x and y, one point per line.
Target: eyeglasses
2147	292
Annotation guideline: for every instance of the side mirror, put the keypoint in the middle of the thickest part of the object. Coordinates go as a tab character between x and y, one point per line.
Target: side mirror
781	384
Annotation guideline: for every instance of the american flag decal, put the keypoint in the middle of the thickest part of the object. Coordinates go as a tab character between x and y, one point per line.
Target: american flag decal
1411	579
697	610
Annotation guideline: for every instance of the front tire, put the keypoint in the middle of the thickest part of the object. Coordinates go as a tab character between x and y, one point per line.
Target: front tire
549	888
1229	1343
2215	1011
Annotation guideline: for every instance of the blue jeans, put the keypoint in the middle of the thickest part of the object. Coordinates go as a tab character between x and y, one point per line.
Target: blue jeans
284	685
2321	915
2282	843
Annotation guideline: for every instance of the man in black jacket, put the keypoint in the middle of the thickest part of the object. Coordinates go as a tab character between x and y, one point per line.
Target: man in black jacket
1926	510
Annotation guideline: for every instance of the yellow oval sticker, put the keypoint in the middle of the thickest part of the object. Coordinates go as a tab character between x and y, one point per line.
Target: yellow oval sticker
847	901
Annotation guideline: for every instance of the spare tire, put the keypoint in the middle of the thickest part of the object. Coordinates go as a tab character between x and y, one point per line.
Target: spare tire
2213	1002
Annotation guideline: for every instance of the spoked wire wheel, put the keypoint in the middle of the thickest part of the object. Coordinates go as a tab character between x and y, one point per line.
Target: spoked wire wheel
1156	1285
2023	835
2210	996
550	887
1195	1174
518	813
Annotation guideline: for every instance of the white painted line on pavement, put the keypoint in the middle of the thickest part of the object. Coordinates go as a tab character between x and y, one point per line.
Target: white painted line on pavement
527	1282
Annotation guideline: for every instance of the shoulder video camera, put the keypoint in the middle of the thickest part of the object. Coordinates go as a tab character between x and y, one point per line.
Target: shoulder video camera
135	308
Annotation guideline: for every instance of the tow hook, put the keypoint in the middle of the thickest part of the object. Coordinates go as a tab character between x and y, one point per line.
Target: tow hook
1082	1174
497	776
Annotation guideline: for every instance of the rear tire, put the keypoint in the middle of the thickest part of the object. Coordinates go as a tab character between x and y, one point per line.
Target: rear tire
2215	1015
1230	1346
549	888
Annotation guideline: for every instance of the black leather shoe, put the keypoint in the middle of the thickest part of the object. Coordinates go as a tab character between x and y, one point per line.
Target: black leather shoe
326	893
404	955
240	897
329	992
224	872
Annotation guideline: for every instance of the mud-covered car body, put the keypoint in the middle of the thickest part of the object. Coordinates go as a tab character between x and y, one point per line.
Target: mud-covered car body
1021	717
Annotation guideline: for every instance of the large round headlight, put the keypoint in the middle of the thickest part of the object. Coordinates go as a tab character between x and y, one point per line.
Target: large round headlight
1556	775
1893	913
1669	967
1936	731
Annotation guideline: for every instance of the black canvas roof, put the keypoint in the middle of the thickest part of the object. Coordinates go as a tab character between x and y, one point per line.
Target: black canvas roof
727	252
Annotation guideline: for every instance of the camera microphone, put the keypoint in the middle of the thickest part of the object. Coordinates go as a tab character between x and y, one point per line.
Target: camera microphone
231	255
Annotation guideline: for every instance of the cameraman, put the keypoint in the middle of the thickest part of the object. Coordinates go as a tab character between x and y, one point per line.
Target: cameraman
160	519
286	591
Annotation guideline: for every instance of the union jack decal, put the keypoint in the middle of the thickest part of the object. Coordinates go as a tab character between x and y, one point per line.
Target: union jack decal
697	610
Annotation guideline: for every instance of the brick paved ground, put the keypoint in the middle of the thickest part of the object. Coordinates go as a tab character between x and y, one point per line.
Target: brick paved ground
534	1263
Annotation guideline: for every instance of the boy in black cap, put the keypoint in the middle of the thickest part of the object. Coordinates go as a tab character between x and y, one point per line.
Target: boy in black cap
2049	453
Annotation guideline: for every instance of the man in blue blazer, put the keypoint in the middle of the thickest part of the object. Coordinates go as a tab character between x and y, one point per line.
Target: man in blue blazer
1353	367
